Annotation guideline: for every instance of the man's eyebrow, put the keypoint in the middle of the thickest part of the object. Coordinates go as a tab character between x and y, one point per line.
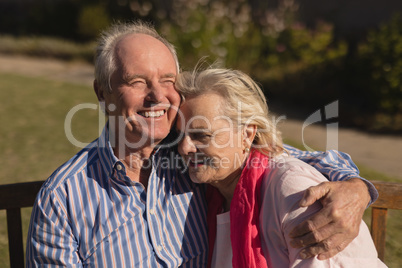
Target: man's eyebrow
129	77
169	75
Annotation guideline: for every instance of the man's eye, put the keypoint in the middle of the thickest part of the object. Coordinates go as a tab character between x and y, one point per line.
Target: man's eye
138	84
167	82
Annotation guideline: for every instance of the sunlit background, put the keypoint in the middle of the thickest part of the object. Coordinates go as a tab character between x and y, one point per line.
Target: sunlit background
305	54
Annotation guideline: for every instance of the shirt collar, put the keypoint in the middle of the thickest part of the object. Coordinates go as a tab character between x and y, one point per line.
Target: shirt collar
106	155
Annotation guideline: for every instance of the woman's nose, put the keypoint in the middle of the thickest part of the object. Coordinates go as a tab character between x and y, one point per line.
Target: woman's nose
186	146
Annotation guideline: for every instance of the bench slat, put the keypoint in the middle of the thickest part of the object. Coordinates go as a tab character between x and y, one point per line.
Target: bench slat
19	195
378	230
15	242
13	197
390	195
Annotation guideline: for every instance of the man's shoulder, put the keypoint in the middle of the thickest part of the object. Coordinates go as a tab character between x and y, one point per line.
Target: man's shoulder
286	163
76	165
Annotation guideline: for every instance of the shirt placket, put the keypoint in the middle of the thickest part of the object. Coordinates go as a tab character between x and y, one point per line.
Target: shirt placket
155	219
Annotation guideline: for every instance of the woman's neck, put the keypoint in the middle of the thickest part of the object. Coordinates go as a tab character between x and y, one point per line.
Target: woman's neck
227	187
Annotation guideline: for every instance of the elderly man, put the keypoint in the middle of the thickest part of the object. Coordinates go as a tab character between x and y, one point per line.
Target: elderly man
125	200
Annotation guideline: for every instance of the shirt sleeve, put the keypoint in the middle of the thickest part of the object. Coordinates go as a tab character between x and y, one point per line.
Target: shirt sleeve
280	213
50	241
334	165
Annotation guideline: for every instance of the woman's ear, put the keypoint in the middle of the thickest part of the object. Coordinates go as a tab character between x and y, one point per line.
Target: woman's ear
249	133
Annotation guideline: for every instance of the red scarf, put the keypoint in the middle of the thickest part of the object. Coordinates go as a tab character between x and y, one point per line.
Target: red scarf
244	215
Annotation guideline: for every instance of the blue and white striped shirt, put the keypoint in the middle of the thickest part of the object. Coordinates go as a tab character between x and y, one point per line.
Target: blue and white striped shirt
90	214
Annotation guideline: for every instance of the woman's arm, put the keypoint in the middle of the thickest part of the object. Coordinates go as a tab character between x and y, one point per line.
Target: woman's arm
280	213
344	201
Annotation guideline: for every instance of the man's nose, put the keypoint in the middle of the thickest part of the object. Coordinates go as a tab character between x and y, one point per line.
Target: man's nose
186	146
155	94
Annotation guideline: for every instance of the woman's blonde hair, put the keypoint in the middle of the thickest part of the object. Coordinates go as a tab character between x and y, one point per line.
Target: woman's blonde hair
245	103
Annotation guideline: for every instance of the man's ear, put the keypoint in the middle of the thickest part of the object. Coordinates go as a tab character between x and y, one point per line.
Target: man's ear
98	92
249	133
101	97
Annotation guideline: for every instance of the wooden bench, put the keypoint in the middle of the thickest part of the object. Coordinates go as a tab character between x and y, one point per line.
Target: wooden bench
390	198
13	197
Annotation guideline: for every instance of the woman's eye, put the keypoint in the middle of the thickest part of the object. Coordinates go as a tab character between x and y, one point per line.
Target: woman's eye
199	136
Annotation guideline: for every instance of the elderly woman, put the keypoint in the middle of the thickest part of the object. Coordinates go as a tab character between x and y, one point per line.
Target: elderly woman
231	143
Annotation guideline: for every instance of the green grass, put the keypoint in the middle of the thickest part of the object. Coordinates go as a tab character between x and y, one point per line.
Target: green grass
33	111
33	142
47	47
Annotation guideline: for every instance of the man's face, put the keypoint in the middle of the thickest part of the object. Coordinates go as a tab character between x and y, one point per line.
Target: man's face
143	92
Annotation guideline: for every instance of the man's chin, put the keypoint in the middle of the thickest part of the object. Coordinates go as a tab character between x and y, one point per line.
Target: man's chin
156	137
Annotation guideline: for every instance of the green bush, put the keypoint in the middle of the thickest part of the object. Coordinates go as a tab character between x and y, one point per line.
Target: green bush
91	20
227	32
301	65
381	57
311	47
222	32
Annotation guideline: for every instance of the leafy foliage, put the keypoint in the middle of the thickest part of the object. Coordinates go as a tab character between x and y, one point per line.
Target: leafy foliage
92	19
382	55
302	65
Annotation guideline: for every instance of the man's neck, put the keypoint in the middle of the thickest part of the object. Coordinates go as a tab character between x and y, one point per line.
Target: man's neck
138	162
138	169
131	146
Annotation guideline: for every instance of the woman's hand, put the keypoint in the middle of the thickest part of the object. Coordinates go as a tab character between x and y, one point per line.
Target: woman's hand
337	223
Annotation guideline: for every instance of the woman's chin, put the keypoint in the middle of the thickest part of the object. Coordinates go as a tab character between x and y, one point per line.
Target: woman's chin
196	179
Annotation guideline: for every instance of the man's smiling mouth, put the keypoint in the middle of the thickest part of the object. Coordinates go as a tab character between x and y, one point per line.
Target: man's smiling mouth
152	114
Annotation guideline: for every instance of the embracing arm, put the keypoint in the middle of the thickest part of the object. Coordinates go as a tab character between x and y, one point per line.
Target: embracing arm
280	198
50	240
344	201
334	165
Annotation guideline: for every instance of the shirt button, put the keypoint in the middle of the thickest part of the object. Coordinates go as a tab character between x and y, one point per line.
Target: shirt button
159	248
152	211
119	167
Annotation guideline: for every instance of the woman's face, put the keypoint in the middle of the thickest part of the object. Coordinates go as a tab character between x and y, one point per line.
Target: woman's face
213	146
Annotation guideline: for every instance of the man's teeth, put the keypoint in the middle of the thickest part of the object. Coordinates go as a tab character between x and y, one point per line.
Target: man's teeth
152	113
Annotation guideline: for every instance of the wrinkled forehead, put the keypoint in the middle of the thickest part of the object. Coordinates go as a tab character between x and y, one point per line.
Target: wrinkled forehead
204	111
135	47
